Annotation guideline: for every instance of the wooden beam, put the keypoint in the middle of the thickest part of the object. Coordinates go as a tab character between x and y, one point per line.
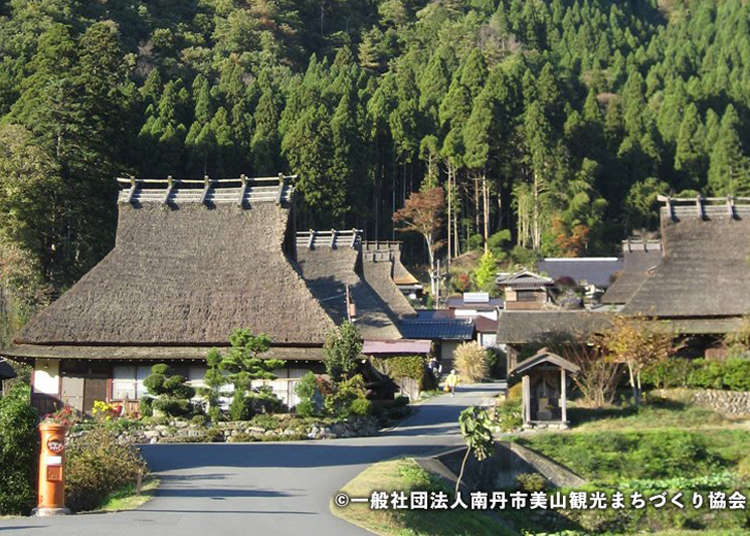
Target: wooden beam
206	188
243	190
280	194
133	187
311	241
170	185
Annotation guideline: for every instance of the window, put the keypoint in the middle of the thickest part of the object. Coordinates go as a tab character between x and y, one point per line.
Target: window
526	295
127	382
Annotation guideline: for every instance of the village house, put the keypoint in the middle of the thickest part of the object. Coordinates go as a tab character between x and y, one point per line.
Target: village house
194	260
592	274
701	286
525	290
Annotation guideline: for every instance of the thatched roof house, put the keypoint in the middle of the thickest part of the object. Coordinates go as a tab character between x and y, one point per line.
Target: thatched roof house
702	285
331	264
382	267
189	266
194	260
639	256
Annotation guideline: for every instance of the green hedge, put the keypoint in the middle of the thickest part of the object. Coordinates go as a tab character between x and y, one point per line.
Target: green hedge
19	448
732	374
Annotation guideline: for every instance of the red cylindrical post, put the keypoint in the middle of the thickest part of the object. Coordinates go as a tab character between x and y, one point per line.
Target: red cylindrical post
51	470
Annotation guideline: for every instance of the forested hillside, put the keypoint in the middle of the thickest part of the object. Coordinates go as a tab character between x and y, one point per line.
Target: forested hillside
570	115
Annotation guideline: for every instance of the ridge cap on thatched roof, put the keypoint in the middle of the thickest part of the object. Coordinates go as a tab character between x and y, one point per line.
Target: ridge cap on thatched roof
704	269
335	238
242	191
186	275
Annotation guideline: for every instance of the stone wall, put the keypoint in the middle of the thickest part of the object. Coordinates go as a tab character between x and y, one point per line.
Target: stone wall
182	431
729	403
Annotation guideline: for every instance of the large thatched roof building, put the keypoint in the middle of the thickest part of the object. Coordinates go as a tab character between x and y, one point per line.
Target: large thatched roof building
194	260
702	284
639	256
384	272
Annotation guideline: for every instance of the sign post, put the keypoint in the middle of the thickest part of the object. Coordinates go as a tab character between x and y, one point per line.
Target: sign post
51	474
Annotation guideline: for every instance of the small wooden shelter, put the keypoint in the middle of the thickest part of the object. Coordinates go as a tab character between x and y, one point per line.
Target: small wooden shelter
544	379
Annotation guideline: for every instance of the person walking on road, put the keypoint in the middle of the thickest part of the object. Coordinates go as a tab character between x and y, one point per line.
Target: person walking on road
451	382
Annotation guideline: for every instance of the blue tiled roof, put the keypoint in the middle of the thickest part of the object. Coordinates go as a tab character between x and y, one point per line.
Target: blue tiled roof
429	325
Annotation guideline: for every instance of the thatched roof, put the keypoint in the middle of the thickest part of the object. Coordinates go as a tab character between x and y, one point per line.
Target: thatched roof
401	275
639	256
705	271
332	261
523	327
378	268
189	271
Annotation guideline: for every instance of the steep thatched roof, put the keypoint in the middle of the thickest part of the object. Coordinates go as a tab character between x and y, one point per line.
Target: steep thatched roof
330	262
378	270
189	266
523	327
639	256
705	271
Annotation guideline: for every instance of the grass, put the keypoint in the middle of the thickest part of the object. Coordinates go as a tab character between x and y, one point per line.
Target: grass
405	475
126	498
657	414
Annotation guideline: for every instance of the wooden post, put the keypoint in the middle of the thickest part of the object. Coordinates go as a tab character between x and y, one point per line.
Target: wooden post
526	388
206	187
243	189
280	194
563	396
170	185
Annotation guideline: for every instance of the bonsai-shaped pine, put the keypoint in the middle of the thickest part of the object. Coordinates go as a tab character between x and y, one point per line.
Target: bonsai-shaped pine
172	394
214	380
243	363
342	348
475	428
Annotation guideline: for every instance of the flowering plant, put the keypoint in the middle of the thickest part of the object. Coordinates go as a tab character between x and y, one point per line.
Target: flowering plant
104	411
64	416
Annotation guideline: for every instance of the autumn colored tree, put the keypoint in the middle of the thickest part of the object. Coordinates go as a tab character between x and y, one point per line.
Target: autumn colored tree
637	342
423	213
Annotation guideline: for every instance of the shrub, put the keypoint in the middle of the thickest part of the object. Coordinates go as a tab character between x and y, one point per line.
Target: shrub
172	393
95	466
530	482
341	349
339	404
732	374
307	390
19	448
360	406
471	362
145	407
508	415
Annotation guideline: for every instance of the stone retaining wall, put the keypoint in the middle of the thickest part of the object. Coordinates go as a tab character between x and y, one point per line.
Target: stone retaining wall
181	431
734	404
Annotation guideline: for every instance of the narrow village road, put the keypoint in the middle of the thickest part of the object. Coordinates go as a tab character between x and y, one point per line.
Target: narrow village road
262	488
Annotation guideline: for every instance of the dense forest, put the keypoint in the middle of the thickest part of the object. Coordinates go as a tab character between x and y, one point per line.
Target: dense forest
551	125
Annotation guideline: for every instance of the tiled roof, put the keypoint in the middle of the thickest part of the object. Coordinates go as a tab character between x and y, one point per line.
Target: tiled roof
597	271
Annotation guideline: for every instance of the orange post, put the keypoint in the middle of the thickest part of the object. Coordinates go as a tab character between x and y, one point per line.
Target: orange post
51	474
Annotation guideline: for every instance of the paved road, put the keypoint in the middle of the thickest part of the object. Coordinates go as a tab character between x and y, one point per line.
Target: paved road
261	488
